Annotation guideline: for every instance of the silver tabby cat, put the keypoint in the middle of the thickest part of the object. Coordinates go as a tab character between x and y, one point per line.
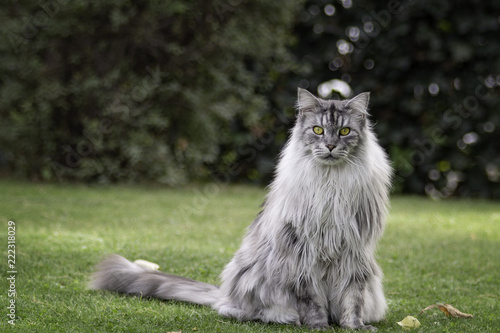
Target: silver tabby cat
309	256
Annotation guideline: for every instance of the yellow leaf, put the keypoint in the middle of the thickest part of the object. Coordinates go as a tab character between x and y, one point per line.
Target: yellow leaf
409	322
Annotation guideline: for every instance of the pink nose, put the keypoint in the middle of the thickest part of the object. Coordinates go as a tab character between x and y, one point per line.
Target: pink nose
330	147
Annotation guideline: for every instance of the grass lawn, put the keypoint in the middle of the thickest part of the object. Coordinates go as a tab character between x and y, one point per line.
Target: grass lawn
431	252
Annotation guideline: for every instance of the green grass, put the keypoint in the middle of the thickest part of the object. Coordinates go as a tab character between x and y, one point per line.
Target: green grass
431	252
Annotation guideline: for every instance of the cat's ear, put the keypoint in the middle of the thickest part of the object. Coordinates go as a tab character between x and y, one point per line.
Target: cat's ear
359	103
359	107
306	102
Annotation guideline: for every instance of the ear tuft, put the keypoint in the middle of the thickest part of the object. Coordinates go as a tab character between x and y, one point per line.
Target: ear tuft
306	101
360	102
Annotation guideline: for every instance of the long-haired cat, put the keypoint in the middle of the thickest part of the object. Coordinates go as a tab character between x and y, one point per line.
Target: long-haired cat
308	257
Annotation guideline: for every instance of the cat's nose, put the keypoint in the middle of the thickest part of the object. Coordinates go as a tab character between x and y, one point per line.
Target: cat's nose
330	147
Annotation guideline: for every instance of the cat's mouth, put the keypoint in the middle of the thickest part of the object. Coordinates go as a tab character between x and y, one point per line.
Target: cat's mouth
331	158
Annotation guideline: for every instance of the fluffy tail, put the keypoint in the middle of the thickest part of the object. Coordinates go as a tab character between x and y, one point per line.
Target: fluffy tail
116	273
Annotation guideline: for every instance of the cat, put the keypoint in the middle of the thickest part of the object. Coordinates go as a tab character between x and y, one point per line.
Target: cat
308	258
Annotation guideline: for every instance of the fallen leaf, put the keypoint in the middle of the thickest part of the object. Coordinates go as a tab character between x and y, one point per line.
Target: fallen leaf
147	264
448	310
176	332
409	322
428	308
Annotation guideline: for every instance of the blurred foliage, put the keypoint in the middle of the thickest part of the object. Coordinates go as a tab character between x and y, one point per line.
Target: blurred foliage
433	69
170	91
120	91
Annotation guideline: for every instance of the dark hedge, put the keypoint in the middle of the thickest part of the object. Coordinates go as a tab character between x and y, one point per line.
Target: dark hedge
173	91
123	91
433	69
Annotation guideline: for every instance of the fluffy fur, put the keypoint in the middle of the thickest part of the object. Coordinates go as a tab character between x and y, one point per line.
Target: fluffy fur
308	258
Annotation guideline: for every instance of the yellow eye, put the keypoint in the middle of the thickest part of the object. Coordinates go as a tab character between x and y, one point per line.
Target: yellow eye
318	130
345	131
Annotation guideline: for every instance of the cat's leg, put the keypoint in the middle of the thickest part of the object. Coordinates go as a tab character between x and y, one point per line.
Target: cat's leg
352	305
312	314
375	304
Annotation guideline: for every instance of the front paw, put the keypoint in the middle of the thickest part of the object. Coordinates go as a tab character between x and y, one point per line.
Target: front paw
367	328
320	327
358	325
317	326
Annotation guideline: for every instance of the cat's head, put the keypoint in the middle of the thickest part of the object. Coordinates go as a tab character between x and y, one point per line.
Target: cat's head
331	130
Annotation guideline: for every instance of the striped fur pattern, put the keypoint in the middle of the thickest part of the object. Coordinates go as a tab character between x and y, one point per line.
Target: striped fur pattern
309	256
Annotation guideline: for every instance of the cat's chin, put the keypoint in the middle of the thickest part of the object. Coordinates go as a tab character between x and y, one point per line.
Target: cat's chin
329	160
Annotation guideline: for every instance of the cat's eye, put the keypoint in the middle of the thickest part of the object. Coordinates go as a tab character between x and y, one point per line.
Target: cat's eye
318	130
345	131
